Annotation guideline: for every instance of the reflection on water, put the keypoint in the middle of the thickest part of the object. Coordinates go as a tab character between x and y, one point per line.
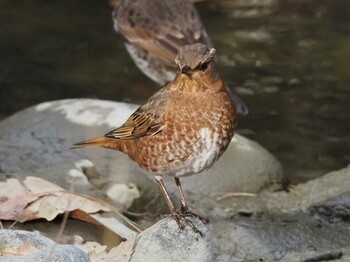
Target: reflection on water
291	67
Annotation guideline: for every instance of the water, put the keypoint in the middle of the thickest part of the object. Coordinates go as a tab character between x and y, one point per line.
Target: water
290	65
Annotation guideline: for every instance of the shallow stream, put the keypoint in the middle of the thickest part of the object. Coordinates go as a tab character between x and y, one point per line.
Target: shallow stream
289	62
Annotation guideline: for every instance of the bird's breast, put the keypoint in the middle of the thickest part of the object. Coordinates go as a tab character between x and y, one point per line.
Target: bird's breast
195	134
209	146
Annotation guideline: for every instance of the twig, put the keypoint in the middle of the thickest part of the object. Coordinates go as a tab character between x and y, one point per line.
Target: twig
331	255
234	194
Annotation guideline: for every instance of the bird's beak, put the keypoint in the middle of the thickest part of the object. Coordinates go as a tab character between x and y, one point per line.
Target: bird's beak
186	70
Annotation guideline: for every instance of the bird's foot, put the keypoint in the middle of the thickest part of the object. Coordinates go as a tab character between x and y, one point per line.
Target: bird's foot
183	221
188	213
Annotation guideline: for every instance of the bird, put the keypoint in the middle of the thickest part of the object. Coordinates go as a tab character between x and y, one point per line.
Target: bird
182	129
154	31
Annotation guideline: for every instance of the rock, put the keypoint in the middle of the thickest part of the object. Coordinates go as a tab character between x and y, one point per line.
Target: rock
36	142
278	237
309	223
330	192
39	138
44	133
165	242
37	248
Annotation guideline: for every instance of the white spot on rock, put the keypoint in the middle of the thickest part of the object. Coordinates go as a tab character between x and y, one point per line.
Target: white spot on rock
43	106
91	112
123	194
87	168
77	177
84	163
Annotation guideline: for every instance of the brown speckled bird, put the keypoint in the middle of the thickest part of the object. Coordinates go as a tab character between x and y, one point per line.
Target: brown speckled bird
154	31
183	128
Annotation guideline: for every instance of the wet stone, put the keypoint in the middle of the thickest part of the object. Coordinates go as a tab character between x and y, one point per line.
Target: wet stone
309	222
164	241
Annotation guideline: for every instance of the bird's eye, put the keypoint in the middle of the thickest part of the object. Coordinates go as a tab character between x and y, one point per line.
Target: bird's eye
202	66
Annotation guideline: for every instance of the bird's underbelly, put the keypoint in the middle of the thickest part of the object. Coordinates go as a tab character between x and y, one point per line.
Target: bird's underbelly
182	154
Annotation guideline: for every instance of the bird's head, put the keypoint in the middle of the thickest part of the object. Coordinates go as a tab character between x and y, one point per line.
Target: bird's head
197	61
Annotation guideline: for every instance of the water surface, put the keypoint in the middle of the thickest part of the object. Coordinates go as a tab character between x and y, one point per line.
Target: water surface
290	64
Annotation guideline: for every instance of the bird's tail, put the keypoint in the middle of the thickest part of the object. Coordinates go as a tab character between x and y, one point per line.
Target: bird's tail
99	142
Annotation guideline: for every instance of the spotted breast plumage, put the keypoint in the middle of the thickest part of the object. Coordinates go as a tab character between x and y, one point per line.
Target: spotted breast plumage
183	128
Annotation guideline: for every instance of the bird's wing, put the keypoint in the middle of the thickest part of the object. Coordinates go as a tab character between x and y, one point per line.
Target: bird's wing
167	26
146	120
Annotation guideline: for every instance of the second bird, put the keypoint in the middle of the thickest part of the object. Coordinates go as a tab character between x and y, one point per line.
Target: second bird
154	31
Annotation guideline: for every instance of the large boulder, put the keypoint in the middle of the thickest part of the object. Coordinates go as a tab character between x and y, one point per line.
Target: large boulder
308	224
165	242
40	137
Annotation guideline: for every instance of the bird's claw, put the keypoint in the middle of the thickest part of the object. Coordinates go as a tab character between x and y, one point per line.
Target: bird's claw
188	213
183	221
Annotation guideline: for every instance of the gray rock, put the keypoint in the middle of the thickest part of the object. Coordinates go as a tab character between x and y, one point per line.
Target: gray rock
311	223
165	242
307	224
45	249
327	194
276	237
37	140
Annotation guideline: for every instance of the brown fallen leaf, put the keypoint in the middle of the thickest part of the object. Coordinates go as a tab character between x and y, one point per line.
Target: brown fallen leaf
36	198
123	252
37	185
113	224
55	203
14	197
98	252
95	251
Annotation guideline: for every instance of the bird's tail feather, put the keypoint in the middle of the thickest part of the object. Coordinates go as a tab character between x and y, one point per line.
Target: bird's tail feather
98	142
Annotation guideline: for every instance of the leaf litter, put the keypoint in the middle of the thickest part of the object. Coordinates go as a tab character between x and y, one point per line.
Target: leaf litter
35	198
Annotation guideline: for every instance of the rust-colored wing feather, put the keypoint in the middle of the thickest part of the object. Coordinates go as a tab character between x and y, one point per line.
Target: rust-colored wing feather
146	120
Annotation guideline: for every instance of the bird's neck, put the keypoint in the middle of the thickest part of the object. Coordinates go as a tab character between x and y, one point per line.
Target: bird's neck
210	82
207	82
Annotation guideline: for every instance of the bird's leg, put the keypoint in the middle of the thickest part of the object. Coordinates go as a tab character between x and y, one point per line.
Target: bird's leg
170	204
184	208
178	216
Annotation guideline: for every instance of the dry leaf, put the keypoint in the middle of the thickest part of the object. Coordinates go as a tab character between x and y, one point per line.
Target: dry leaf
14	197
123	252
49	206
98	253
21	250
95	251
38	185
38	198
114	225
